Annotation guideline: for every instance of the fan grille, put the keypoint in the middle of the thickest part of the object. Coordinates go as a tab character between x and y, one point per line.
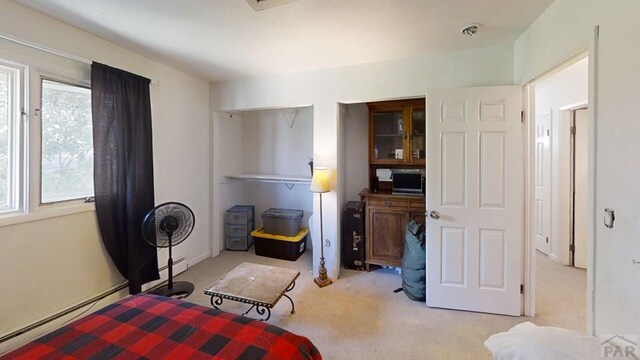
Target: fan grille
169	221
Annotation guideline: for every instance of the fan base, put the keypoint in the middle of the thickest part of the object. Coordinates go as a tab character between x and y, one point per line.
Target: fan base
180	290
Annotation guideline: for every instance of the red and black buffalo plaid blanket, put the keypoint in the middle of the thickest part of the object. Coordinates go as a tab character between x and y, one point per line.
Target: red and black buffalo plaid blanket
155	327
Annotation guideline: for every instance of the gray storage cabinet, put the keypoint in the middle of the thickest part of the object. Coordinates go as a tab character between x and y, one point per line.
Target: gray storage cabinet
238	225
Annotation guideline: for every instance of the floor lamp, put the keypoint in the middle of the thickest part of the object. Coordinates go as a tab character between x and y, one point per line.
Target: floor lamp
320	185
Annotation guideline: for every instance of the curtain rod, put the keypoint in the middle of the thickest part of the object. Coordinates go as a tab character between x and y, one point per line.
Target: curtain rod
46	49
54	52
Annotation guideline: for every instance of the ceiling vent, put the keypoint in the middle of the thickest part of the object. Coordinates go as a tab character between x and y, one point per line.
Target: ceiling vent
259	5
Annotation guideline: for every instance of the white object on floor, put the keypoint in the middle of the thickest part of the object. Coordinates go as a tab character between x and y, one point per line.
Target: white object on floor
527	341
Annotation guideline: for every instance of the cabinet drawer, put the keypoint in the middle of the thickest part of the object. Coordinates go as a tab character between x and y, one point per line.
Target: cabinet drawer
238	243
417	205
237	230
238	217
394	203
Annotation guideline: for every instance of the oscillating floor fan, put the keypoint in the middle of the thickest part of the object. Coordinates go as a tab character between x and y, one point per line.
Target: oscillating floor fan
165	226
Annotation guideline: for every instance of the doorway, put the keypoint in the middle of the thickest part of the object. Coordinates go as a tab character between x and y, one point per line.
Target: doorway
559	192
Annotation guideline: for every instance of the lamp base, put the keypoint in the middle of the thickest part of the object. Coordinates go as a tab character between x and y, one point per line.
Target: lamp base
322	282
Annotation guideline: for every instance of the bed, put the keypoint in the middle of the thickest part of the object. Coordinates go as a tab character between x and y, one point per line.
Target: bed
527	341
155	327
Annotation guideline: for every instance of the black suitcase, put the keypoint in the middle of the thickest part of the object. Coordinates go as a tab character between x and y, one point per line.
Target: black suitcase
353	250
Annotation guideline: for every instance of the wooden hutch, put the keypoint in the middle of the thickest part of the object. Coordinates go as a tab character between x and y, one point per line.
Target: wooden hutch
396	141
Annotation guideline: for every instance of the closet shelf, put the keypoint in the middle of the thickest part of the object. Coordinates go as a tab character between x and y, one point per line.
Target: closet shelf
282	179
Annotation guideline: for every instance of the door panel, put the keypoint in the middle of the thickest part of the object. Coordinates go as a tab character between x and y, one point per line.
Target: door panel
453	112
475	182
453	247
453	155
492	259
388	234
542	220
492	170
491	111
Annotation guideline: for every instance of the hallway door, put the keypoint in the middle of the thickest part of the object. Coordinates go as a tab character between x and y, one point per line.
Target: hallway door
580	187
542	215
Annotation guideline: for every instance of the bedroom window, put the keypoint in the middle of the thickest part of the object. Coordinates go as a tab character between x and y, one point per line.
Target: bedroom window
67	142
10	137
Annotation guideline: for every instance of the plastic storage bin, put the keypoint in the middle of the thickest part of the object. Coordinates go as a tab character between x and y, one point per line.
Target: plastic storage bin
284	222
238	225
280	247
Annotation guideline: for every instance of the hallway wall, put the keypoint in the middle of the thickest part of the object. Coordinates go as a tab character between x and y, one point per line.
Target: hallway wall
563	30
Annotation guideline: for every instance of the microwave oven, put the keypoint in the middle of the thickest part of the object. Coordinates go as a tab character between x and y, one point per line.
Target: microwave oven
407	182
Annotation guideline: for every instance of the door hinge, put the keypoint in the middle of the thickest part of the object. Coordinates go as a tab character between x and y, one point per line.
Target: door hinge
572	247
522	116
521	288
573	130
547	239
23	115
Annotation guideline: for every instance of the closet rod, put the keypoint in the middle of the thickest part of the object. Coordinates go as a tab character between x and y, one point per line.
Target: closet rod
46	49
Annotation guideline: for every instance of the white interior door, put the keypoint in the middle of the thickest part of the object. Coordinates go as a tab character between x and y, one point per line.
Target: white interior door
475	178
581	165
542	215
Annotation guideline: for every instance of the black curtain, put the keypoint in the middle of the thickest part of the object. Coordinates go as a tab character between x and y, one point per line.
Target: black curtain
123	170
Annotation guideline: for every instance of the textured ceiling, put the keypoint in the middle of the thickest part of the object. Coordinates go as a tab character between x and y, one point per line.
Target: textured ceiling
227	39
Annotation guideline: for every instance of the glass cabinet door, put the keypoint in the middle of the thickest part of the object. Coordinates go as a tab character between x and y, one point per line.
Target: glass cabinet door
418	131
388	134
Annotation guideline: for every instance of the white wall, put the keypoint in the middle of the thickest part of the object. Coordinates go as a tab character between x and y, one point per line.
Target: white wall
563	30
564	88
356	150
51	263
270	146
227	160
325	89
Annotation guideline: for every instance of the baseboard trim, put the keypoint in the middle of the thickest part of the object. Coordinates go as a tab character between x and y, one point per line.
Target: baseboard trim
197	259
64	312
83	304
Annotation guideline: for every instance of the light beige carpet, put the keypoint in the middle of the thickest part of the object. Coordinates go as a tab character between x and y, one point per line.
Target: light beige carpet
359	316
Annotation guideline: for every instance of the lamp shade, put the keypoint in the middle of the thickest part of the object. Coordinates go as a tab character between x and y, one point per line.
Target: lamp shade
320	180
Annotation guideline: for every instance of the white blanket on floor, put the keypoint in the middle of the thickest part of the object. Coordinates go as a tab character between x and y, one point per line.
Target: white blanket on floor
527	341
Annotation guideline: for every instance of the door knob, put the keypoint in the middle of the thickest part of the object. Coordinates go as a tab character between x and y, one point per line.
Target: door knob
434	215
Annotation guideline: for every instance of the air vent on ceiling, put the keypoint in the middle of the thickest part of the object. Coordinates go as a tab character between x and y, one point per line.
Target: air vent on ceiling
259	5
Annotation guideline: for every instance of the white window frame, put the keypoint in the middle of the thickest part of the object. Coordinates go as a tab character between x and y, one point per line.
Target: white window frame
75	201
36	207
18	139
33	65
